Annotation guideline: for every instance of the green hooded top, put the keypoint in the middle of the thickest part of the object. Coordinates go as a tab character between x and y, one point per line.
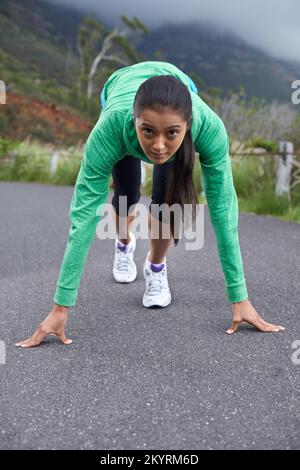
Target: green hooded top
113	137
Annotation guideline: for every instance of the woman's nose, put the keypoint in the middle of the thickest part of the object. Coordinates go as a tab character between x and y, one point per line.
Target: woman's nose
159	145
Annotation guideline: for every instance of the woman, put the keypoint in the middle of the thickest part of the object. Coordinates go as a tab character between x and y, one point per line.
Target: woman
151	112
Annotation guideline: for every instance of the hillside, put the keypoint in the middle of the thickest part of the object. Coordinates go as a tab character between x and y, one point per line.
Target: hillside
38	54
39	65
222	60
39	39
27	117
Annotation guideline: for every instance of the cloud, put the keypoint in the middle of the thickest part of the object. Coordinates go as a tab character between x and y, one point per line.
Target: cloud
270	25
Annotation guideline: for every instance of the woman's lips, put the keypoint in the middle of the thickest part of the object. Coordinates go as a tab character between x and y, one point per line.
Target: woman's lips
158	155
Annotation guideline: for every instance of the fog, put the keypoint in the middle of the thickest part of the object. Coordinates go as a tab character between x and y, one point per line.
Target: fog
271	25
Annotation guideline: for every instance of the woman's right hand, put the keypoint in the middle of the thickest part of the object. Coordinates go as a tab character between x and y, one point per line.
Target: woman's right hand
53	324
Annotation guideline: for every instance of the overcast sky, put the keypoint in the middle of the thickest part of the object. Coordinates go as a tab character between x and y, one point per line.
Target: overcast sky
271	25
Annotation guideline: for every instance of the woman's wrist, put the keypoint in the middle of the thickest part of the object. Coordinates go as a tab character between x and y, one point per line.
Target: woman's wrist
60	308
241	302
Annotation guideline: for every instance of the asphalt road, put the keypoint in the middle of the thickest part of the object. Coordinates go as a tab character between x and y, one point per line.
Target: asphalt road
138	378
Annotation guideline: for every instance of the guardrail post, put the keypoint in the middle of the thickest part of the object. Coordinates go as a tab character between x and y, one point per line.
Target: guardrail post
53	162
284	168
2	92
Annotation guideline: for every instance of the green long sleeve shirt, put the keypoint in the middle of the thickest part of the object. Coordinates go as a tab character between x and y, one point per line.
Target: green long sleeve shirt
113	137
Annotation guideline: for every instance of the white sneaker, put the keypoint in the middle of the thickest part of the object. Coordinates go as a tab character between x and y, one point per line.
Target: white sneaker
124	267
157	288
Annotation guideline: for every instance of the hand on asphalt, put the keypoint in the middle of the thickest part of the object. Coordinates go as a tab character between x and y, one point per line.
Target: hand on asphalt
245	312
53	324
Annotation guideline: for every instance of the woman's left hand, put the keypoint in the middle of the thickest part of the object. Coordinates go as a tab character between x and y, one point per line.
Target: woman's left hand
245	312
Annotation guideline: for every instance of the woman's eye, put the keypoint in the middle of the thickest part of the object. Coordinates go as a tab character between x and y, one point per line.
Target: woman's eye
173	135
147	131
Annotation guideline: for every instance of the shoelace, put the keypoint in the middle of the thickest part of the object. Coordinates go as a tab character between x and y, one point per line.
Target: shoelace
122	261
157	283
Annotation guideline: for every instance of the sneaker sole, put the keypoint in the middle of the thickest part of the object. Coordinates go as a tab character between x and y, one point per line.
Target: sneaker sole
157	305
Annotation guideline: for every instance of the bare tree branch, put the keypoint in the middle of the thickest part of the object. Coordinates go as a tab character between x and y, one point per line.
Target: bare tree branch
116	59
116	40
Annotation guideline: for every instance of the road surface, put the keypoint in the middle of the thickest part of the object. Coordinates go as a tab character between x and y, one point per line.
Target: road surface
137	378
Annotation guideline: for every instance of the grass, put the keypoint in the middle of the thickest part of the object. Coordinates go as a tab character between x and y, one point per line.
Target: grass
30	162
254	177
254	180
147	189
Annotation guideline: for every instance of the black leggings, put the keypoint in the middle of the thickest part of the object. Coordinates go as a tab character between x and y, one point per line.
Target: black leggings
126	175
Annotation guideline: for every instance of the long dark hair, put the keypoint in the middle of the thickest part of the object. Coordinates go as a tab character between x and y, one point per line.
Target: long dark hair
168	91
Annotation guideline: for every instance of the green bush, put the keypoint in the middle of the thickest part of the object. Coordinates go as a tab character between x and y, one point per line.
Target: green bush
67	171
6	147
265	201
254	180
295	195
31	169
292	214
253	176
147	188
30	161
42	131
245	176
260	142
3	123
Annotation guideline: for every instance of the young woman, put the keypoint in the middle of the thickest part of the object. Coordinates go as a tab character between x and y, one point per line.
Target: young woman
151	111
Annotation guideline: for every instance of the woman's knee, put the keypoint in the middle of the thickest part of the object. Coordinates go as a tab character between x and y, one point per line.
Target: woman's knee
123	204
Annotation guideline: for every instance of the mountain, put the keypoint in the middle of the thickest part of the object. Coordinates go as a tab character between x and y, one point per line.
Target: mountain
38	63
221	60
38	52
38	37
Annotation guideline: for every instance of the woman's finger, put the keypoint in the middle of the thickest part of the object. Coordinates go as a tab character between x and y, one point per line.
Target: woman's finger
264	326
233	328
63	338
25	341
271	325
35	339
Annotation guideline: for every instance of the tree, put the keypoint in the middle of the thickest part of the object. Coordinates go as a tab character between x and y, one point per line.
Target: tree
95	45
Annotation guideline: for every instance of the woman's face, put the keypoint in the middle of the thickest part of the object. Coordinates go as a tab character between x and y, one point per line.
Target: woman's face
160	133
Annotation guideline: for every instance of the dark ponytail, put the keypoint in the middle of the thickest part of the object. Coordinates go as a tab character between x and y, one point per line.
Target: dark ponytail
181	189
168	91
